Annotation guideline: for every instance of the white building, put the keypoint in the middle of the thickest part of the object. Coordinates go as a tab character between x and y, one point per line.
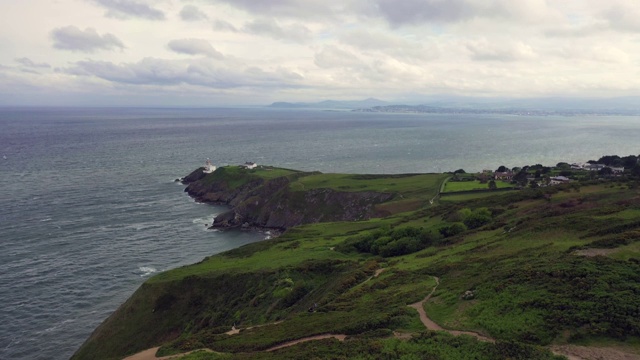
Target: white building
208	168
559	180
250	165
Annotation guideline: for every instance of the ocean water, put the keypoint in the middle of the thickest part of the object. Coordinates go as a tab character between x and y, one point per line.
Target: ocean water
89	209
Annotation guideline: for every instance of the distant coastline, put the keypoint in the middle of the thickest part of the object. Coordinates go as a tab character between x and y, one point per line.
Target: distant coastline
425	109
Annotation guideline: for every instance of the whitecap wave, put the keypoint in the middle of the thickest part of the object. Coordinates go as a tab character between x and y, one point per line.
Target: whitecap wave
147	270
206	221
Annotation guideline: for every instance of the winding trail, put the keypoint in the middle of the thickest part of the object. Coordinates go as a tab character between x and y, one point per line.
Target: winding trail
339	337
572	352
431	325
150	354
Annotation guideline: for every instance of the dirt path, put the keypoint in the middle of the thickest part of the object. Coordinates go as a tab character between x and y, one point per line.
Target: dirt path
431	325
572	352
340	337
235	331
150	354
595	252
575	352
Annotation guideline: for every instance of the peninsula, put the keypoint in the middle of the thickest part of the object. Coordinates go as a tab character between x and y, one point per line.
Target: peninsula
494	265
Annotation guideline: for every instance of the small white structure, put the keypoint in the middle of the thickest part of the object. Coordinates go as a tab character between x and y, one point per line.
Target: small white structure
250	165
208	168
557	180
594	167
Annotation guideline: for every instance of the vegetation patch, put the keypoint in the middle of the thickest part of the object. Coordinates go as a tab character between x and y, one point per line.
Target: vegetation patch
506	261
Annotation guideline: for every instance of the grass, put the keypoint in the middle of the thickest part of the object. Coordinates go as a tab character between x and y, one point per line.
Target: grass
457	186
528	287
406	184
461	197
270	172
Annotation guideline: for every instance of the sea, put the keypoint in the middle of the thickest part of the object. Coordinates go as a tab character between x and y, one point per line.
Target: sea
89	208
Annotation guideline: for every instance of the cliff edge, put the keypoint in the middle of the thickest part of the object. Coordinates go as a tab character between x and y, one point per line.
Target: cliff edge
279	198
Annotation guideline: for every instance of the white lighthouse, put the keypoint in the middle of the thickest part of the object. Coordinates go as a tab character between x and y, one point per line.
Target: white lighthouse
208	168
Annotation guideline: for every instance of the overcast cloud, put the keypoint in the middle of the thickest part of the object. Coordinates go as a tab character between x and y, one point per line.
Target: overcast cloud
192	13
130	8
88	40
194	47
25	61
310	50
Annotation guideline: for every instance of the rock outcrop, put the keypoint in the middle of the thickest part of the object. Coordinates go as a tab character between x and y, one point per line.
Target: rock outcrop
271	203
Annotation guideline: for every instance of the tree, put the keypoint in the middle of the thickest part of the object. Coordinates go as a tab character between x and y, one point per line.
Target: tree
492	185
563	165
475	218
521	177
533	184
629	161
459	171
605	171
502	168
610	160
453	229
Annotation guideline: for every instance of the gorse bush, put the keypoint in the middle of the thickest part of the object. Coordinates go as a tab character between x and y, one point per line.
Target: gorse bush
388	243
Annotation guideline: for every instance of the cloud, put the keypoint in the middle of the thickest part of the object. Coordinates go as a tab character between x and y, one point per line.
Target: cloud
389	44
194	47
192	13
29	63
623	17
485	50
418	12
199	72
332	56
222	25
74	39
304	9
295	33
123	9
577	31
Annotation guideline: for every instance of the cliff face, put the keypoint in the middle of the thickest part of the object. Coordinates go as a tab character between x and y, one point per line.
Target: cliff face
271	203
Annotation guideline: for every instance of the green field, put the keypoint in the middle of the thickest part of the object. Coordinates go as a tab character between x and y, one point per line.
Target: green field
515	252
409	184
456	186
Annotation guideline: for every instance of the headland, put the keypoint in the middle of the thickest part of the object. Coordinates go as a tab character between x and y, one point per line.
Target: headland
501	262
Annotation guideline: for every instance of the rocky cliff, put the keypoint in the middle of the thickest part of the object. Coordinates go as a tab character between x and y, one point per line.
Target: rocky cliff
271	203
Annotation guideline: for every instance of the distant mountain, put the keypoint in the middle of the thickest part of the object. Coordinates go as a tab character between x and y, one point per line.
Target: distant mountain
332	104
529	106
463	104
546	103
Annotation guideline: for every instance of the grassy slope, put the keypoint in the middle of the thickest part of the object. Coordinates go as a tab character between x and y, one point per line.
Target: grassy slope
456	186
529	287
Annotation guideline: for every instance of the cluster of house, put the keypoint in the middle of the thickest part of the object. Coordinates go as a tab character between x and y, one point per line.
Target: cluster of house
555	180
508	176
596	167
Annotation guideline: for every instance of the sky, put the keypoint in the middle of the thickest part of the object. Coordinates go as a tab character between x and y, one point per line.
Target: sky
250	52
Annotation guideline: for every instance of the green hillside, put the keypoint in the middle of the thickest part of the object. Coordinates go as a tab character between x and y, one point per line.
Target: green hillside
529	270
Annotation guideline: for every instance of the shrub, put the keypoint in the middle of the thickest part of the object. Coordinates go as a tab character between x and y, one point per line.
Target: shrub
453	229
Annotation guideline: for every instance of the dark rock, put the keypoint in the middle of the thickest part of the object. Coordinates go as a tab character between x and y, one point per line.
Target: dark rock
271	203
